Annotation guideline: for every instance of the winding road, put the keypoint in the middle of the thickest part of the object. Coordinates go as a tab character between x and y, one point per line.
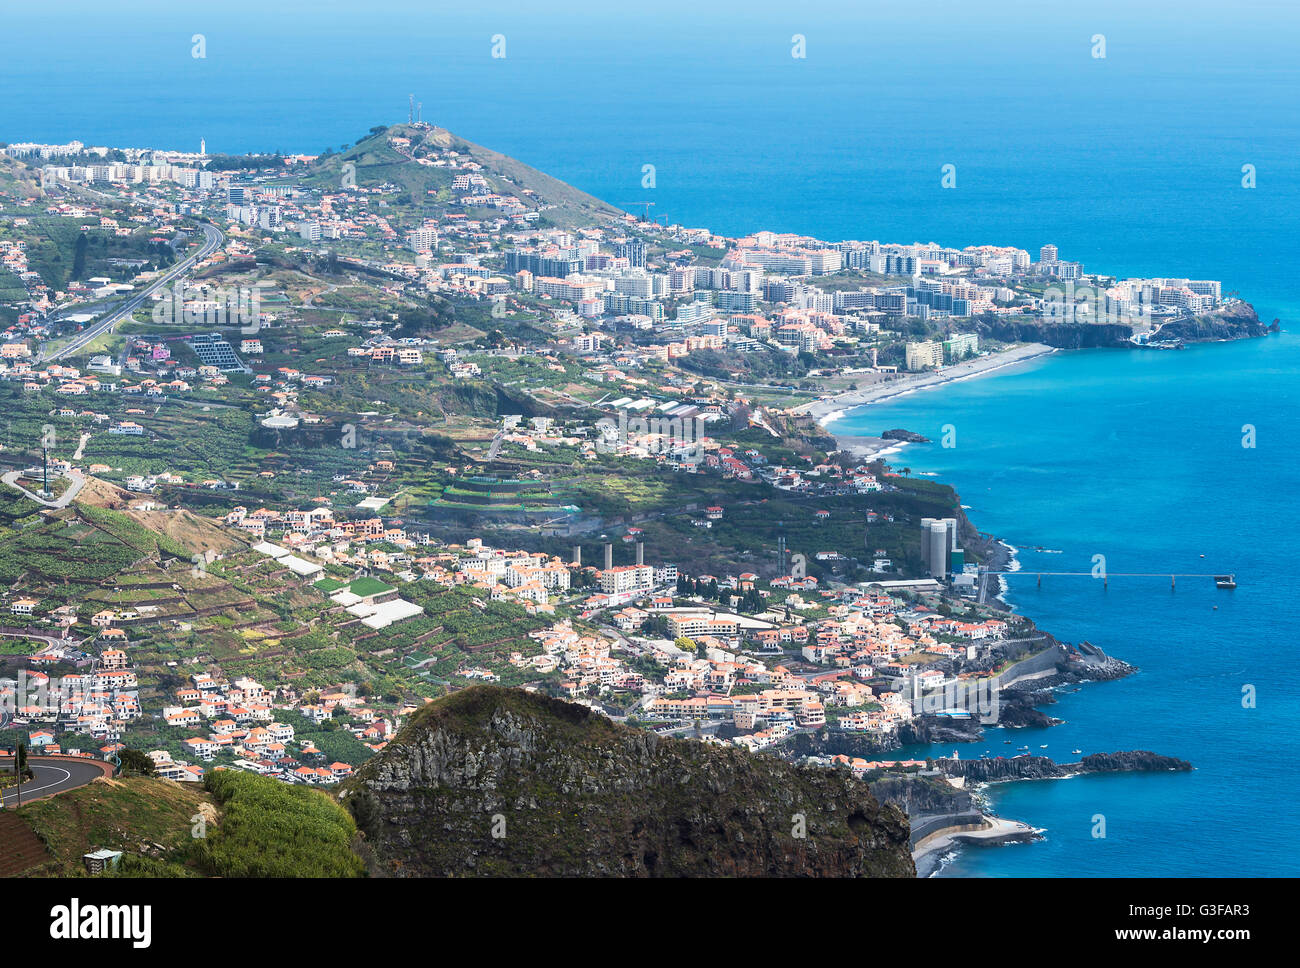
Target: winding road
52	775
62	501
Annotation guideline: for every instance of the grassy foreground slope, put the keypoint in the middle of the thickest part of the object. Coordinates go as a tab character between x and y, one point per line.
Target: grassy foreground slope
144	817
235	824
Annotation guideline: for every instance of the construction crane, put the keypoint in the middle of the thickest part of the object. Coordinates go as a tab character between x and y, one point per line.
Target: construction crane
648	206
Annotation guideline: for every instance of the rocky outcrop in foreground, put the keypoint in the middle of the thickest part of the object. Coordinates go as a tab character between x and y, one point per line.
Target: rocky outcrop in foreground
1042	768
492	781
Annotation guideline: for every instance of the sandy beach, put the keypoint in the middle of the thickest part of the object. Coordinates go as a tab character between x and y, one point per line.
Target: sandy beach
865	448
824	411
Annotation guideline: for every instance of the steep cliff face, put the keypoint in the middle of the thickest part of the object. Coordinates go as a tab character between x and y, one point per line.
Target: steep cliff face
1067	336
1237	321
501	782
921	795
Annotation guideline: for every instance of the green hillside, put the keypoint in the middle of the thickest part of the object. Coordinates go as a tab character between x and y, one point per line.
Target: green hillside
377	162
234	824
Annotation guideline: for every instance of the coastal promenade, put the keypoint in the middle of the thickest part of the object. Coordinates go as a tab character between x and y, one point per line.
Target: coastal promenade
927	851
821	410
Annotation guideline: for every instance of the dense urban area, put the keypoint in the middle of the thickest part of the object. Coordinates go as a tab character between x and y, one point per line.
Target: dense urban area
296	445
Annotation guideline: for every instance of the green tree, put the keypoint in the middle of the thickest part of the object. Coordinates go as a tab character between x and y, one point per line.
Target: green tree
79	257
135	763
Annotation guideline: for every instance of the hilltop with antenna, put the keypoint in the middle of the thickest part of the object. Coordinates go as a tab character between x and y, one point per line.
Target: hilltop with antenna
425	159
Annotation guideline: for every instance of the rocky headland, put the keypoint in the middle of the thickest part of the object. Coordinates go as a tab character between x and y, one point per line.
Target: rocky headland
503	782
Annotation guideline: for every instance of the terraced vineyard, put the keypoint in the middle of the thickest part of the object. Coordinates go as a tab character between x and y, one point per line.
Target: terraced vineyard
85	546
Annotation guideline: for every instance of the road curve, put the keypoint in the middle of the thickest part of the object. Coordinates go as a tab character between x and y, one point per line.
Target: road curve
62	501
52	775
213	237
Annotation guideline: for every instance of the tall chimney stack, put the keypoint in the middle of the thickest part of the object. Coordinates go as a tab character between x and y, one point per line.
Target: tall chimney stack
640	552
577	554
609	555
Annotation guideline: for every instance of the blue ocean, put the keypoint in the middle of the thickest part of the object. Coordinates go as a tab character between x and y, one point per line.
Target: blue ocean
1131	163
1138	456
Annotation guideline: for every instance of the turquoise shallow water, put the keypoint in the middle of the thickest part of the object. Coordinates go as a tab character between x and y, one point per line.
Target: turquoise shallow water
1138	456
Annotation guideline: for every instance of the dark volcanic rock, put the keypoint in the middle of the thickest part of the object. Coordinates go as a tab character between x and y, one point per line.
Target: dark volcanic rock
1232	322
831	742
1130	761
1237	321
907	435
1018	707
932	729
1041	767
1088	663
492	781
921	795
1070	336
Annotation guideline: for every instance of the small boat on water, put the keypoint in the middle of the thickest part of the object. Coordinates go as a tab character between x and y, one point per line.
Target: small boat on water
1076	752
1043	747
1007	741
1225	581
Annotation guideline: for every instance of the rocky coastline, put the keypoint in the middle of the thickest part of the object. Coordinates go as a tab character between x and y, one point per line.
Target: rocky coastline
967	820
1044	768
1237	320
1020	701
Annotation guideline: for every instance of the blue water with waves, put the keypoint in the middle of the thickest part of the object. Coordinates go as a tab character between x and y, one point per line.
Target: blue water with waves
1138	456
1131	164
